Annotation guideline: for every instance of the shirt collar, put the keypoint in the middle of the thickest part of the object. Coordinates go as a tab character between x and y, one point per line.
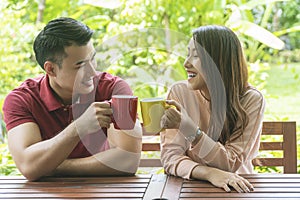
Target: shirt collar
47	95
51	102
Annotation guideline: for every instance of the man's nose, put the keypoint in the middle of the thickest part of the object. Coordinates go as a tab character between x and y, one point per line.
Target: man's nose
91	69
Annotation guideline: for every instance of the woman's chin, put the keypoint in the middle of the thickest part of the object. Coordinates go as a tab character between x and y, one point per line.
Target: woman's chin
191	87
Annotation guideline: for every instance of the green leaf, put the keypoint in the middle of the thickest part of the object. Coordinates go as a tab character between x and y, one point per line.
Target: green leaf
254	3
259	33
219	4
289	30
111	4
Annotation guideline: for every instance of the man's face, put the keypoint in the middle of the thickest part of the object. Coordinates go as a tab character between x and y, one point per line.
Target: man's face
77	70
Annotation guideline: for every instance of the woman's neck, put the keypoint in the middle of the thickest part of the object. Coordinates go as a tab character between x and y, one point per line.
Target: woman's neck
205	93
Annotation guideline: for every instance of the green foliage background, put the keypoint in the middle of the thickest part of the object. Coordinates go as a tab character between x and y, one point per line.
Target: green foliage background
150	71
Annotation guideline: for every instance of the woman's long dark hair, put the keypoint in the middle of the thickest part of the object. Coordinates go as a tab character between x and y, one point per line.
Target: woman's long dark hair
224	49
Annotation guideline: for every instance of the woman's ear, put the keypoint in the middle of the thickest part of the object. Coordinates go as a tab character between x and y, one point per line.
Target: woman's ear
50	68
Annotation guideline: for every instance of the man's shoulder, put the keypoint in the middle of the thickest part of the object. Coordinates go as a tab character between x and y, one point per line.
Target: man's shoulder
29	85
109	84
104	76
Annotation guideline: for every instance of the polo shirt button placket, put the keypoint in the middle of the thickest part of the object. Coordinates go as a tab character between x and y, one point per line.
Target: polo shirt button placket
66	108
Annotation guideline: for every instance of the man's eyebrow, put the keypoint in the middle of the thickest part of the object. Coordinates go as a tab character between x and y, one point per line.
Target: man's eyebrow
83	61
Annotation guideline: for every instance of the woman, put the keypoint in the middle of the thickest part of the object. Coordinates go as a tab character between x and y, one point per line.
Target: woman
213	134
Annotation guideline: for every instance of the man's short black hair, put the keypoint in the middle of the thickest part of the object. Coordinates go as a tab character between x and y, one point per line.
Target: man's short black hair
58	34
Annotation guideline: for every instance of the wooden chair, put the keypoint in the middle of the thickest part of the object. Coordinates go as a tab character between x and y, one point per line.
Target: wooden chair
285	144
151	143
288	145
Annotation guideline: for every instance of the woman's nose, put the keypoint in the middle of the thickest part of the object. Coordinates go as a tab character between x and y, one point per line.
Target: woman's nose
186	63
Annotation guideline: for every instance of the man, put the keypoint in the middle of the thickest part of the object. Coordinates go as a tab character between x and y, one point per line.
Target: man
59	123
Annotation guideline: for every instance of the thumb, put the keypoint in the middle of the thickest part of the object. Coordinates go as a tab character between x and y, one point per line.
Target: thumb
174	103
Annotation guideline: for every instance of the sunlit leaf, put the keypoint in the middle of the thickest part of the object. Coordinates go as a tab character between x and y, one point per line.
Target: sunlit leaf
289	30
254	3
111	4
259	33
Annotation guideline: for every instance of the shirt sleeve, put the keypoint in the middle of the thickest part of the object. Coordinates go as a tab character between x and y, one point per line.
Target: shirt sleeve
15	110
121	87
237	154
174	146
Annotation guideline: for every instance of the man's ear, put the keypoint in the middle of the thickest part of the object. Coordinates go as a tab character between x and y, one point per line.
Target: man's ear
50	68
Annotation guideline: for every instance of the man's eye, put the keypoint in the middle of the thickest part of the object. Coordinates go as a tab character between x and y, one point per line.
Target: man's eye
81	65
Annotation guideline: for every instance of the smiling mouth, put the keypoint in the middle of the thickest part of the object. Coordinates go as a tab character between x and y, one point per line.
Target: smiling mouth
191	75
88	83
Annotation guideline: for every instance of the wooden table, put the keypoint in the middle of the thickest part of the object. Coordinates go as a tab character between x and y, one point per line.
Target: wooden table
266	186
146	187
123	188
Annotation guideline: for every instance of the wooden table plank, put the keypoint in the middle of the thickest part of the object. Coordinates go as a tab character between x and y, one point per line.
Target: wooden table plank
155	187
75	185
257	190
73	196
172	188
234	198
90	198
73	190
240	195
256	185
129	188
266	186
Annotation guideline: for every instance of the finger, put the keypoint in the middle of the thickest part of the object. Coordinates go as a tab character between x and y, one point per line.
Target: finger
171	113
104	111
236	187
243	186
103	104
163	121
174	103
226	188
104	120
173	121
248	185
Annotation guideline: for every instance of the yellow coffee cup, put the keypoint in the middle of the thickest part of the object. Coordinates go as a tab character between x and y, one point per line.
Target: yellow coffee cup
152	109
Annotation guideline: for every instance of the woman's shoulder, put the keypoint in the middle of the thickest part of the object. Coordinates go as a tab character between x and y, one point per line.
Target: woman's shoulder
252	92
179	87
253	96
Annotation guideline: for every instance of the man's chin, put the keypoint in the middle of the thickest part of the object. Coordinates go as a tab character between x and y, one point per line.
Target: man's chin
85	90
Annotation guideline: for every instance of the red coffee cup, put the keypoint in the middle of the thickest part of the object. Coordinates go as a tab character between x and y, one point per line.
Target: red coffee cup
124	111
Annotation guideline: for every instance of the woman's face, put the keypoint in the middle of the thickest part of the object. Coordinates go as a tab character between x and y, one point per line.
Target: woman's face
192	65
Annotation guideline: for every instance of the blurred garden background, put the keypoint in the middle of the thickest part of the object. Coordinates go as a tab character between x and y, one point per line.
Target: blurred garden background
268	29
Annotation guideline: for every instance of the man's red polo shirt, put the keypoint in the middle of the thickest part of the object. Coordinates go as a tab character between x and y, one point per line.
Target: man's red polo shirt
34	101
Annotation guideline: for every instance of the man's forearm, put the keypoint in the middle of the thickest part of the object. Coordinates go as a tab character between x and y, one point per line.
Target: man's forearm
111	162
43	157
